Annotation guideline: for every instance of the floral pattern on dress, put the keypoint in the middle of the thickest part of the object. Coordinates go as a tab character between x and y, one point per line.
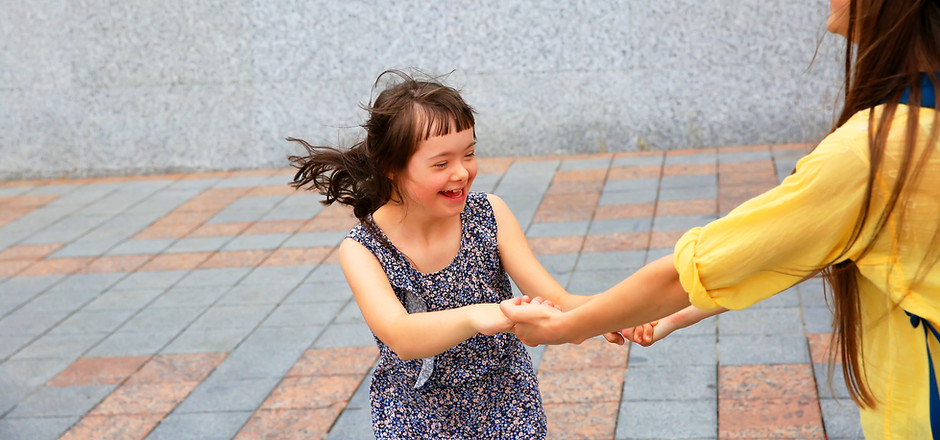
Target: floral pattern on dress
485	387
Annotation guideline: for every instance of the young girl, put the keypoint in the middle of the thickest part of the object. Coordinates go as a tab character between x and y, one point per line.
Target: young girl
863	208
428	267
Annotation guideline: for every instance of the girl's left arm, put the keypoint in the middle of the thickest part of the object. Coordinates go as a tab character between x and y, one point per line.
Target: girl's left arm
520	262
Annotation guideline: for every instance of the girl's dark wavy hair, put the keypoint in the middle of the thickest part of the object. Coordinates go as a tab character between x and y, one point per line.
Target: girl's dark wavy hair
405	113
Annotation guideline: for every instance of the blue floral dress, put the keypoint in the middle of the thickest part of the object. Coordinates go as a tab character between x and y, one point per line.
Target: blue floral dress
485	387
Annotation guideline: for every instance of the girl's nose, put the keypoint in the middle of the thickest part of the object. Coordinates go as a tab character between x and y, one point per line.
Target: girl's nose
460	172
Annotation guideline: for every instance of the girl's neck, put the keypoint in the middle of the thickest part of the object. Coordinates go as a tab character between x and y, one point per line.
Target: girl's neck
429	243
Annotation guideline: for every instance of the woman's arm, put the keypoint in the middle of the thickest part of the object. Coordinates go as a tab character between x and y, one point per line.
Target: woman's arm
650	293
411	335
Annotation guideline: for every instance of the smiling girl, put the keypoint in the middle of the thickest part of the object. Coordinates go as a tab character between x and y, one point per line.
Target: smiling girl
428	266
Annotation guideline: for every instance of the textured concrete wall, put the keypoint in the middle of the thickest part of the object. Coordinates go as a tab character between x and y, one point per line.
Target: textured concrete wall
92	87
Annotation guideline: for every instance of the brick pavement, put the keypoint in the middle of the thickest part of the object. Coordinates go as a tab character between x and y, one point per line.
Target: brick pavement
211	306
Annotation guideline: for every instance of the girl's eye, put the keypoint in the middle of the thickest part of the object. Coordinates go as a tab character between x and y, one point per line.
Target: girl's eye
440	165
472	154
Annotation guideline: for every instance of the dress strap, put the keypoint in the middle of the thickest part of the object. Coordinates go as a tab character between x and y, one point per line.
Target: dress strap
934	392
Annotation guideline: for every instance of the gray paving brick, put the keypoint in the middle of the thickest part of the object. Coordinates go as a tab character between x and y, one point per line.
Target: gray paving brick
353	423
57	345
94	321
840	418
557	229
226	394
150	280
29	286
743	156
240	181
61	401
19	377
812	293
627	197
277	276
756	322
681	222
320	291
559	266
9	344
127	343
485	182
170	319
596	281
66	301
254	294
303	314
314	239
200	426
611	260
123	299
35	428
213	277
345	335
327	272
835	389
527	178
688	193
817	319
89	281
137	247
267	353
672	419
645	184
252	242
30	323
691	159
205	340
197	244
707	180
620	226
350	313
676	349
638	161
670	383
233	316
754	349
201	296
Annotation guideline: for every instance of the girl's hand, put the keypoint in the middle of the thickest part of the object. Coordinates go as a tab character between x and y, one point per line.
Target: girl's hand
643	334
487	319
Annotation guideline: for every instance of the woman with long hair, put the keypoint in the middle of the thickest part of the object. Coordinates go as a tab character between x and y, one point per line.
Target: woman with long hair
862	209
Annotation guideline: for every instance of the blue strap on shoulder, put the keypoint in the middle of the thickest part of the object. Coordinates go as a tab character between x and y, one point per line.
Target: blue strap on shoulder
934	391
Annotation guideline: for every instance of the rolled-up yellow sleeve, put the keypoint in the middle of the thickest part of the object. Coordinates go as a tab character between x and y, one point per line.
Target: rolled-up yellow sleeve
778	238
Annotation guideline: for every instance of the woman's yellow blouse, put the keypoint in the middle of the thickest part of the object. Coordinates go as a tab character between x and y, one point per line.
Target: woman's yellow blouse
775	240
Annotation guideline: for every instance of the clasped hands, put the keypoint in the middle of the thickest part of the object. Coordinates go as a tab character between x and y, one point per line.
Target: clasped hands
539	321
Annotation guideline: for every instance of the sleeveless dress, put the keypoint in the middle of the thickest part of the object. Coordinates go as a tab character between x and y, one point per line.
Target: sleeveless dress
485	387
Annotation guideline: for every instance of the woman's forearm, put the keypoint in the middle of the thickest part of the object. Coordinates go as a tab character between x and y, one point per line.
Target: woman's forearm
648	294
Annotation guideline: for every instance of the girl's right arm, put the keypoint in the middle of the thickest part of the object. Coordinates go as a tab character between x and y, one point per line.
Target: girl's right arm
651	332
411	335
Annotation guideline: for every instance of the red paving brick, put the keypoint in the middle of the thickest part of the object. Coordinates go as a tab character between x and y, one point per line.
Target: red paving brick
116	263
686	207
29	251
98	371
338	360
768	401
689	169
556	245
56	266
633	210
115	427
581	421
627	241
290	424
175	261
250	258
297	256
622	173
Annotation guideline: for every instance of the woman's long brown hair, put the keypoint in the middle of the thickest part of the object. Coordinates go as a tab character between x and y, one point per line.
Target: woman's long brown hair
891	43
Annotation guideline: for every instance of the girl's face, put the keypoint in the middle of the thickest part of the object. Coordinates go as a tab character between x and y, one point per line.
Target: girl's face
439	174
838	22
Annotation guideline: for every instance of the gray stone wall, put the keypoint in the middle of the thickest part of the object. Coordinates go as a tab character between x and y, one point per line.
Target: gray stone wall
97	87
